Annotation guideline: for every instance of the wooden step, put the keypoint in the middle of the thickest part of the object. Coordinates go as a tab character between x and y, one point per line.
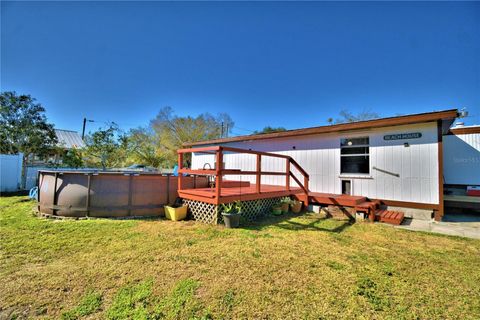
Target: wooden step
365	205
342	200
391	217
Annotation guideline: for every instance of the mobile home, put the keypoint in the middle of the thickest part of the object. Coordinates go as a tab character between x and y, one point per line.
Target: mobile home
397	161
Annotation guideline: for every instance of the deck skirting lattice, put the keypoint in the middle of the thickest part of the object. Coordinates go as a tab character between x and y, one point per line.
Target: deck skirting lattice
211	213
202	211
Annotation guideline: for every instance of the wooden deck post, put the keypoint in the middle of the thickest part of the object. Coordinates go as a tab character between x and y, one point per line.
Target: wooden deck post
258	180
218	173
180	167
287	171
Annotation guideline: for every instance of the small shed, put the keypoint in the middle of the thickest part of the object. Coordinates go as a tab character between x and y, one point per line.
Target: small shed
67	140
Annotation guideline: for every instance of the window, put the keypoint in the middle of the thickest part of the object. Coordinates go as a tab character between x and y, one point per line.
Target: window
355	155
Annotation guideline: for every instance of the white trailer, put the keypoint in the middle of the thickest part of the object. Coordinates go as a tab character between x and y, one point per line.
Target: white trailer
396	160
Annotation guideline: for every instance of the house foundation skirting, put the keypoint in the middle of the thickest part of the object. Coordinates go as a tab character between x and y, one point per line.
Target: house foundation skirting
211	213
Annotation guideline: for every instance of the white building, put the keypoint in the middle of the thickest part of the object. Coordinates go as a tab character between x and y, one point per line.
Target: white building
461	156
397	160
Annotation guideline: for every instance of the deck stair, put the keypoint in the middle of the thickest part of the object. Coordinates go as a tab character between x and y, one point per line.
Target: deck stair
391	217
371	208
374	213
335	199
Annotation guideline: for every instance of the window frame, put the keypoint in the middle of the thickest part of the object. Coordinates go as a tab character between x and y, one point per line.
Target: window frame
367	138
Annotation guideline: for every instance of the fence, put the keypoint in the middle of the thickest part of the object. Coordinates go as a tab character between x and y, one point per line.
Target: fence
10	172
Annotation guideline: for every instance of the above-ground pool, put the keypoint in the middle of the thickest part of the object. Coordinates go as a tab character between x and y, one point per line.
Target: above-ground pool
109	194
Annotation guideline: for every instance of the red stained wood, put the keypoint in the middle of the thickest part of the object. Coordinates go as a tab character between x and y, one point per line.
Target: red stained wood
391	217
235	184
223	193
258	178
336	199
237	193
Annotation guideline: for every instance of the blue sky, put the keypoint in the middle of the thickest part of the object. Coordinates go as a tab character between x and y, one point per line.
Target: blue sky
265	63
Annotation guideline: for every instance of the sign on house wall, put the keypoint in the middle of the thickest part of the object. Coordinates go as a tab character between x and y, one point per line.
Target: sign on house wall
402	136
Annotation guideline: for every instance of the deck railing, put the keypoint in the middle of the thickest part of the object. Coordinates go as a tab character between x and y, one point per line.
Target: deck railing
218	172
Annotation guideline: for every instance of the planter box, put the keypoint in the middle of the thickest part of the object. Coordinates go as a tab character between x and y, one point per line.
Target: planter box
296	207
277	211
176	214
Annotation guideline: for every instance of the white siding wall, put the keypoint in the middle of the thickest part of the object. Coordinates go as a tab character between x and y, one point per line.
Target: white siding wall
461	159
319	155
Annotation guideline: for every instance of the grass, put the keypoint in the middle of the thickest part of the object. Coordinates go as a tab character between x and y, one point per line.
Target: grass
280	267
89	304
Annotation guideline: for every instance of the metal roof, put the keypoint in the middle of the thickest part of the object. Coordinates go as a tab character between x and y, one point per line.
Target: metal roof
69	139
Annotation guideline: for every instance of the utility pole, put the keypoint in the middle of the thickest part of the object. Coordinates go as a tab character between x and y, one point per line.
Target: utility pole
83	130
221	136
84	125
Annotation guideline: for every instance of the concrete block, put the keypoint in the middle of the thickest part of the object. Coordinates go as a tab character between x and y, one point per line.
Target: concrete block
314	208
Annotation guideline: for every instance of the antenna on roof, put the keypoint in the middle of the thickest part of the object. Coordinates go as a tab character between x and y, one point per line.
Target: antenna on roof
463	113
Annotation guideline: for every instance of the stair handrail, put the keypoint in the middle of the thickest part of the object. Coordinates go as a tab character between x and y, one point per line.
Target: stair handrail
304	173
219	170
306	176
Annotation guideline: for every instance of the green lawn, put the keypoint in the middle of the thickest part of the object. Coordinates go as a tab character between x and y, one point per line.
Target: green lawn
290	267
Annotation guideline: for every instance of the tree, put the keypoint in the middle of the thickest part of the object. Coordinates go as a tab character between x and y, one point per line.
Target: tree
174	131
107	146
23	126
348	117
144	147
73	158
269	129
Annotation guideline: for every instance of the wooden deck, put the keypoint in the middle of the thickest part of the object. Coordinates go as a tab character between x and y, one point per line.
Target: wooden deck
231	194
229	191
249	192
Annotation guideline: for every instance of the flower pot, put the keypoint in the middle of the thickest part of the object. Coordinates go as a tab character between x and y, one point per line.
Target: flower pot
285	206
276	211
231	220
296	206
176	214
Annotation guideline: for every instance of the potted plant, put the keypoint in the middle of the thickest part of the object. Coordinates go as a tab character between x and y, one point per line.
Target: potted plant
277	210
296	206
231	214
176	212
285	204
